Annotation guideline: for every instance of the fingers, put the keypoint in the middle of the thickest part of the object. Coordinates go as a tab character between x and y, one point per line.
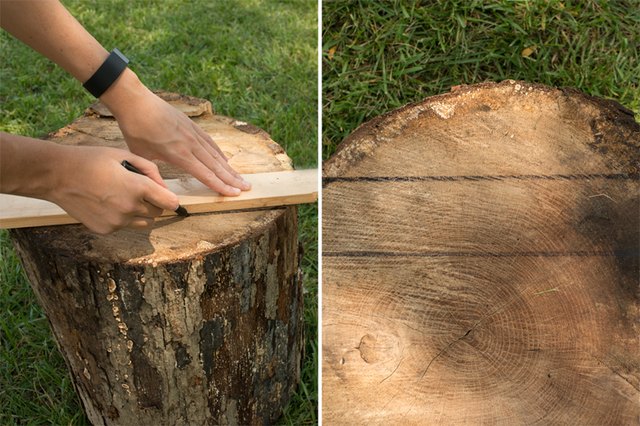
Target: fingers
215	155
143	217
204	135
141	222
204	155
206	166
191	148
224	171
156	195
159	196
146	209
209	178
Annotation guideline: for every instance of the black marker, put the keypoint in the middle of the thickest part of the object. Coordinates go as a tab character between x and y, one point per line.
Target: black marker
180	211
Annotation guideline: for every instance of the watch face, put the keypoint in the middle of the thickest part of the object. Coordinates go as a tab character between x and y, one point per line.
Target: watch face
121	56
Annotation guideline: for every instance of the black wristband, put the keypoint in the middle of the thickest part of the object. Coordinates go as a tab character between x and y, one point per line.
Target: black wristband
108	72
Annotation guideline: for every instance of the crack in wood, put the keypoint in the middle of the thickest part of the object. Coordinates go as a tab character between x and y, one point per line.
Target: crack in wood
442	351
514	299
395	369
614	371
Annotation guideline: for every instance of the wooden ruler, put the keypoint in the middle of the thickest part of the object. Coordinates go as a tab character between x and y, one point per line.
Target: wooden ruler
268	190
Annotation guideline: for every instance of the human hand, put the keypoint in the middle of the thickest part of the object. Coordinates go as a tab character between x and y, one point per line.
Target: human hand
155	130
92	186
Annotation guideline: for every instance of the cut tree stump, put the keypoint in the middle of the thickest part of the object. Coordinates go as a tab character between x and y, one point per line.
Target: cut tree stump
196	321
480	262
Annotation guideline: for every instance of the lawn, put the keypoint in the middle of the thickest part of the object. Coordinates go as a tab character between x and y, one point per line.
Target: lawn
378	56
255	60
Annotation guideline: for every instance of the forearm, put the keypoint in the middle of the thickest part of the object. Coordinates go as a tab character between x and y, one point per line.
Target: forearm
27	165
47	27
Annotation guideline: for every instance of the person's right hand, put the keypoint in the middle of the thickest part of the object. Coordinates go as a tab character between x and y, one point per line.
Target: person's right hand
93	187
156	130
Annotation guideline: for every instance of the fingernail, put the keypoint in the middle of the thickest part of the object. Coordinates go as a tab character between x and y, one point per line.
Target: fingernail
236	190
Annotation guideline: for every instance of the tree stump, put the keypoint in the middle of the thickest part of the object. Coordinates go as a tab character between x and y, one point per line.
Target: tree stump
197	321
480	262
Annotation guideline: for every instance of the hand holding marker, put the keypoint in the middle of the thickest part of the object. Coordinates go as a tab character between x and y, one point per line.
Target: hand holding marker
180	211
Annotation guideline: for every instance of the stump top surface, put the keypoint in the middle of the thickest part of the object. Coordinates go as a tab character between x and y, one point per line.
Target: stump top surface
249	149
480	262
506	128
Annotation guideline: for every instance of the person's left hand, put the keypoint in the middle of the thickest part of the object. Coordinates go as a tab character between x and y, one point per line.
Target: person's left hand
154	129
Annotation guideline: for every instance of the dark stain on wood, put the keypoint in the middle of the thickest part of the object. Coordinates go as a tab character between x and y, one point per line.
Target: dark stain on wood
211	339
112	412
612	226
246	268
128	286
616	134
179	273
148	381
627	238
182	355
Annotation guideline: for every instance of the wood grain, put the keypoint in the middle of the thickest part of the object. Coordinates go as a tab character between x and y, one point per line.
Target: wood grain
481	262
268	190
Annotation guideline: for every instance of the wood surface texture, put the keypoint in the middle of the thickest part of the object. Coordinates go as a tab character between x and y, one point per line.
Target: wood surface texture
197	320
481	262
268	190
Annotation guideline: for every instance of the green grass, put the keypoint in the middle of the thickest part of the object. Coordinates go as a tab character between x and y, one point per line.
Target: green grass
378	56
255	60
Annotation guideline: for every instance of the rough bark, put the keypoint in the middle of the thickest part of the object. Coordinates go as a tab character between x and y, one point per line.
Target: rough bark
197	321
480	262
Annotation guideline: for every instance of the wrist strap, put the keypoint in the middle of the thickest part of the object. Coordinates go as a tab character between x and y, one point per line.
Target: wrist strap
108	72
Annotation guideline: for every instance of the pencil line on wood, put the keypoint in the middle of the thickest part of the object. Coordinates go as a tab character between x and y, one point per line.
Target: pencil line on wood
578	253
479	178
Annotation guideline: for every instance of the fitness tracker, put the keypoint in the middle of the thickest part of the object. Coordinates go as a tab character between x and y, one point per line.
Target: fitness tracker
108	72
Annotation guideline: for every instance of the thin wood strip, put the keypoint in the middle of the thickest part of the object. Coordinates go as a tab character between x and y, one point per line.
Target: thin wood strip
268	190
